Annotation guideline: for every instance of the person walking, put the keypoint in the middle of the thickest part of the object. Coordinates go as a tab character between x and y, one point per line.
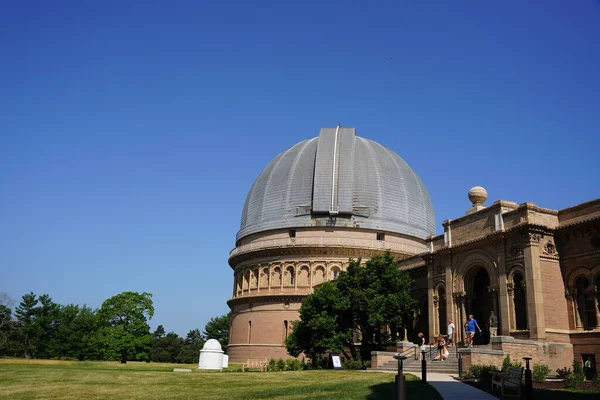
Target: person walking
471	325
451	328
493	324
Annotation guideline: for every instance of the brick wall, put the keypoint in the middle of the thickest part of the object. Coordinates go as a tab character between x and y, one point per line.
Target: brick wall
555	303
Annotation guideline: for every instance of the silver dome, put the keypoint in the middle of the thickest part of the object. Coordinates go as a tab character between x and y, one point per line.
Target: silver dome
338	179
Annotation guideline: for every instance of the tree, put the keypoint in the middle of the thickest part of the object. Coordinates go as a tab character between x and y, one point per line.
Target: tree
325	324
190	351
166	348
361	305
38	323
75	328
218	328
5	320
124	332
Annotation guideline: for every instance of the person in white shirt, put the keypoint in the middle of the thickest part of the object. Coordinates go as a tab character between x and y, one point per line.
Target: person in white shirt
451	328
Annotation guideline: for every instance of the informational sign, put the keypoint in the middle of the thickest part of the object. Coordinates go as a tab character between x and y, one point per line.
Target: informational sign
336	362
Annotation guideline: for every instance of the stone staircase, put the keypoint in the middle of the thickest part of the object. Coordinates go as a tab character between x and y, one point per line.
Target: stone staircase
450	366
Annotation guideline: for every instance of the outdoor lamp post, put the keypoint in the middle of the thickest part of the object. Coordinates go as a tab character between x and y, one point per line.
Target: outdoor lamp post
423	367
528	380
400	386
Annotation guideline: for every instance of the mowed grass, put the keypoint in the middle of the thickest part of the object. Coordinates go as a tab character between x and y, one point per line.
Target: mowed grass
47	379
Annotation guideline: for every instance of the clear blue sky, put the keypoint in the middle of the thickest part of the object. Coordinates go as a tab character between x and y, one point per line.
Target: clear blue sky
131	132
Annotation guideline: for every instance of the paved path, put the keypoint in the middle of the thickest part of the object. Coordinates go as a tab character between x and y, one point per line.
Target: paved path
451	389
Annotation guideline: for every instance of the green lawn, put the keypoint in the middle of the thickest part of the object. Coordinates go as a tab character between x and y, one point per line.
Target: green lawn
41	379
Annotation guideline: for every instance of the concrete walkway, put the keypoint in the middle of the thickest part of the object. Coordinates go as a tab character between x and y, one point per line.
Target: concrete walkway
451	389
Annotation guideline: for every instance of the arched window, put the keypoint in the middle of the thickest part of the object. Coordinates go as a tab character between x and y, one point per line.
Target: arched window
285	329
291	276
303	276
335	272
276	277
319	275
520	302
249	332
585	303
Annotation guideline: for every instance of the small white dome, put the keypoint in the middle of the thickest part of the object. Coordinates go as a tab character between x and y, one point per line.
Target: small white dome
212	344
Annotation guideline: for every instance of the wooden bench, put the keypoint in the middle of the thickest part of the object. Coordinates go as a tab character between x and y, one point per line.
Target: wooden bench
510	380
255	364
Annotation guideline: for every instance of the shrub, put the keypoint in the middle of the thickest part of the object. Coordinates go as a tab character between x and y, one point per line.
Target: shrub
303	364
281	365
482	372
563	373
272	366
352	364
288	364
571	381
540	372
366	364
506	364
596	380
295	365
578	371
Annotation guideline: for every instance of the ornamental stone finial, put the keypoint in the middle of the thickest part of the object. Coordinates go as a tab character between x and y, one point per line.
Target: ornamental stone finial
477	196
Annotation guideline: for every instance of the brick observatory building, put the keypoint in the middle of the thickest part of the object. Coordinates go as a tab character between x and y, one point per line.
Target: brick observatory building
340	196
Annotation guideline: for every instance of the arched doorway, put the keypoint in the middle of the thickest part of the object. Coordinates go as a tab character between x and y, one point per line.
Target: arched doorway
479	302
520	302
442	319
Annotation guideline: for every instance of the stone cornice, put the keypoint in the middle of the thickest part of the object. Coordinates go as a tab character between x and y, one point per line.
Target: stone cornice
314	250
266	298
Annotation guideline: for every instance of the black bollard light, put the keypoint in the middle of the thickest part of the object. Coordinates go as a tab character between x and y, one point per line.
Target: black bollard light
400	385
460	371
528	380
423	367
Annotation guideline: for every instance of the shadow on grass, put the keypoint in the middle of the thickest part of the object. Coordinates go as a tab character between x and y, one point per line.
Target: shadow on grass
415	390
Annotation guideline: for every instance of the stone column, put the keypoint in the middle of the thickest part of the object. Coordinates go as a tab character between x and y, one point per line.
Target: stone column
449	296
512	323
534	296
436	316
259	272
295	277
504	305
571	296
430	304
311	272
270	277
596	293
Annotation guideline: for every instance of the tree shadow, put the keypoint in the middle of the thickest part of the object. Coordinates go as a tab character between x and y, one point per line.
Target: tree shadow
415	390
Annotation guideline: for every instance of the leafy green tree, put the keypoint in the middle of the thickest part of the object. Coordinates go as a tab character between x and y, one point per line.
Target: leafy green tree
218	328
166	348
190	351
38	320
5	321
124	332
75	328
159	332
359	306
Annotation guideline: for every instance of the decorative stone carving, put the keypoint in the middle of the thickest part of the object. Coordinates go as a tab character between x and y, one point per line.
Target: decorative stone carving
515	250
492	289
550	249
510	288
534	238
440	269
435	301
570	293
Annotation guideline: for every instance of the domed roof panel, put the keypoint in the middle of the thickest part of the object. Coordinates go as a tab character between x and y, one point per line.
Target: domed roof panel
342	178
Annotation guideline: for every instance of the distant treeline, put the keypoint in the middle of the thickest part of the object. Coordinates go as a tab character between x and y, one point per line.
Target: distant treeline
40	328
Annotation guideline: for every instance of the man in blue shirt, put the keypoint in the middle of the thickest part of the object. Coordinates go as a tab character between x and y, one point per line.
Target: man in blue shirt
471	325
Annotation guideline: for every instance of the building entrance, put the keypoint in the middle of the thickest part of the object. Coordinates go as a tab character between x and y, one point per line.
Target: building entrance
480	303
